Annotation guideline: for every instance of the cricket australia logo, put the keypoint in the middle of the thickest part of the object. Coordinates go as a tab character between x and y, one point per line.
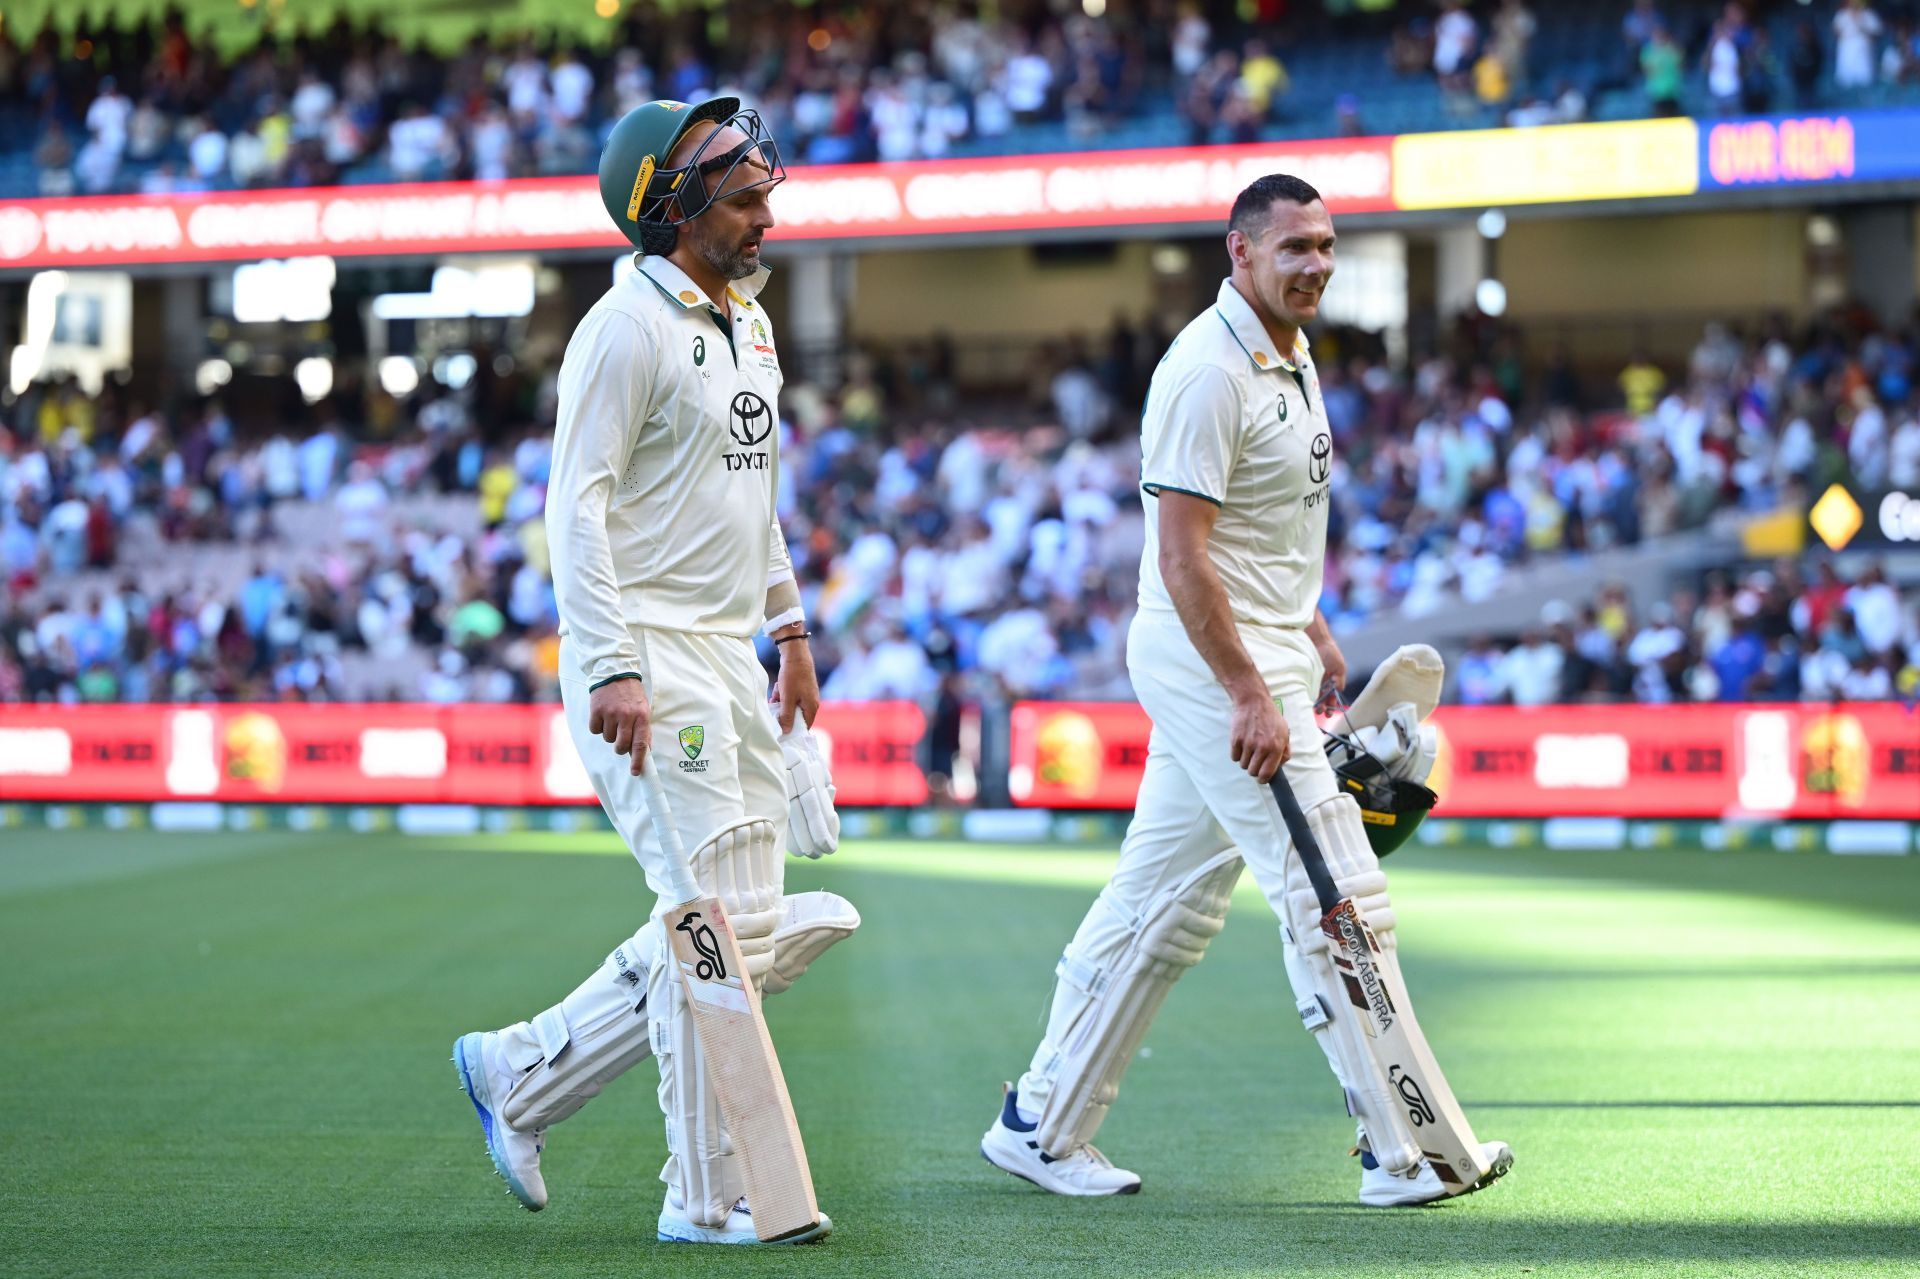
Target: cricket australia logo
712	965
693	740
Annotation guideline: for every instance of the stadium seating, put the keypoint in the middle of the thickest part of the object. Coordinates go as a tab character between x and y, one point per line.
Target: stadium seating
1464	511
1334	80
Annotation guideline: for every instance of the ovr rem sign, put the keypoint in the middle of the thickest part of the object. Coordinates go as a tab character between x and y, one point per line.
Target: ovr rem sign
1890	518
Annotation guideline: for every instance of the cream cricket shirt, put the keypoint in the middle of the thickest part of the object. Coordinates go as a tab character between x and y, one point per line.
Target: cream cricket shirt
660	509
1234	421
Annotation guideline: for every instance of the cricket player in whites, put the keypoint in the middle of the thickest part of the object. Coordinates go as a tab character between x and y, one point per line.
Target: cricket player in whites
1229	655
667	557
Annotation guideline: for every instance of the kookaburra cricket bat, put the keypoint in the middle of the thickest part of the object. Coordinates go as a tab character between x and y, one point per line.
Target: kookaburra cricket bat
733	1037
1445	1137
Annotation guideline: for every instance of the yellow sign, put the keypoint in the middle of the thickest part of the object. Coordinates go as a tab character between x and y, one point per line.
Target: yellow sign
1836	517
1626	160
640	181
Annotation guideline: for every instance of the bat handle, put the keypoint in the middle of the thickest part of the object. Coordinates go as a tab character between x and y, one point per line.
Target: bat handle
681	884
1311	859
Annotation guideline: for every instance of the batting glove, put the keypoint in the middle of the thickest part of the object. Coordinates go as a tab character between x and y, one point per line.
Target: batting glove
813	827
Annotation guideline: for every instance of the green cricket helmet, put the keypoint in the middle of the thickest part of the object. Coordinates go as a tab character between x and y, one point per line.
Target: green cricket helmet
1391	807
647	200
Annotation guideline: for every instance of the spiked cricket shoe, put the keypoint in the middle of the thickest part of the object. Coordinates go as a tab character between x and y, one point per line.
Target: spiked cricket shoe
676	1227
515	1155
1382	1189
1010	1145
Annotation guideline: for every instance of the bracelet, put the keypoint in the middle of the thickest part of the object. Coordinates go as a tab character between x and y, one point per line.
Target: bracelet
788	639
594	688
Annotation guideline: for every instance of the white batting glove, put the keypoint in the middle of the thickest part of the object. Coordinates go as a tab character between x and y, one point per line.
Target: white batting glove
813	828
1407	746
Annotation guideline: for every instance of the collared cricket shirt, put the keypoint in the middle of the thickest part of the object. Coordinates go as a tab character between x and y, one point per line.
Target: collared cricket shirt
660	510
1232	420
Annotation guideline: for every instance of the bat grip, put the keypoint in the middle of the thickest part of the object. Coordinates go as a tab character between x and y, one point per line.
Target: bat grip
681	884
1311	859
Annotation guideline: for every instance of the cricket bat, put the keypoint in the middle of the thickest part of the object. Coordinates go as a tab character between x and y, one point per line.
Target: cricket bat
733	1036
1446	1138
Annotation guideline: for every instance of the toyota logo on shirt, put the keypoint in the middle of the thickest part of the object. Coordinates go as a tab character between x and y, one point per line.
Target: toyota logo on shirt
1320	458
750	420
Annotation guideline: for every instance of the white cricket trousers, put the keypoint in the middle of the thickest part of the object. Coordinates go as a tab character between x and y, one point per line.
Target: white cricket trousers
716	744
1194	801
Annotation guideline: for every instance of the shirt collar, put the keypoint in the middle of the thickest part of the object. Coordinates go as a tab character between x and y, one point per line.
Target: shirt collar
680	288
1252	335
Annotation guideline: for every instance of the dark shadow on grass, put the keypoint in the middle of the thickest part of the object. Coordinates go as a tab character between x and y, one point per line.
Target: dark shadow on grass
1692	1105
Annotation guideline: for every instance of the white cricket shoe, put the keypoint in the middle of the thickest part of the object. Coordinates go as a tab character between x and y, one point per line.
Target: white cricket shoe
676	1227
1382	1189
1009	1146
516	1155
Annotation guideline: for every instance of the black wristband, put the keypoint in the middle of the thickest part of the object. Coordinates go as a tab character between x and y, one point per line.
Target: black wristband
788	639
594	688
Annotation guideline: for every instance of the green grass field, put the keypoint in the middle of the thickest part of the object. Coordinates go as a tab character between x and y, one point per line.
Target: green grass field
227	1054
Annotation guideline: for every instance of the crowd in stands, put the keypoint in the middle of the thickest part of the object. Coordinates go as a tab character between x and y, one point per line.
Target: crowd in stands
167	554
161	108
1776	634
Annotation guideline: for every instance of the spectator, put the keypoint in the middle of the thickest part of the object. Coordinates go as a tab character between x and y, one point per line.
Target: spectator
1455	42
1207	96
945	121
1263	80
207	152
1027	83
1759	72
1660	71
107	116
417	144
1805	58
313	101
1638	27
572	85
53	157
1530	673
1490	84
1641	383
1856	27
1724	58
1513	31
1347	120
1876	611
1900	60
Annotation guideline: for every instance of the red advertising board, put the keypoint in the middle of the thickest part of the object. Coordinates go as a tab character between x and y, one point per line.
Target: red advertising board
473	754
1089	189
1709	761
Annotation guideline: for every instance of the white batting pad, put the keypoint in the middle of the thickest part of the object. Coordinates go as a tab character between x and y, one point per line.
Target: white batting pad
567	1054
809	924
741	862
1112	980
1320	993
741	865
